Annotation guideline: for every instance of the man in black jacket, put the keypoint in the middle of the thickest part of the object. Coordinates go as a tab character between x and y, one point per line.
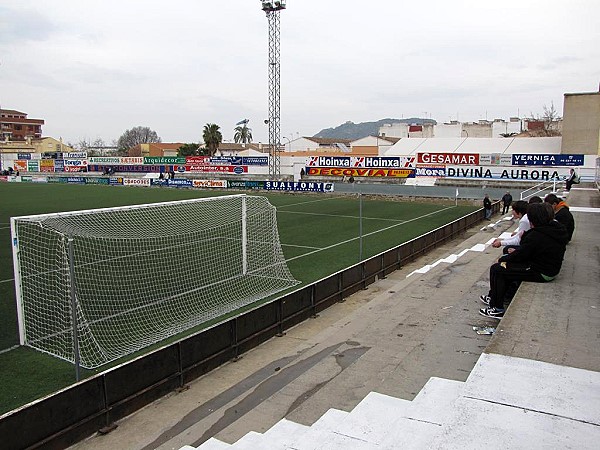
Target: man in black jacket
487	206
506	202
562	213
538	259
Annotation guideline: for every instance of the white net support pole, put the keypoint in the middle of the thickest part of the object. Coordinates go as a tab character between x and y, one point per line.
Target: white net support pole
17	273
74	321
244	237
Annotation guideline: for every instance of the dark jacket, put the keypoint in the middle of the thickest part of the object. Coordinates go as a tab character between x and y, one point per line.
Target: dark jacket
507	199
487	203
542	249
564	216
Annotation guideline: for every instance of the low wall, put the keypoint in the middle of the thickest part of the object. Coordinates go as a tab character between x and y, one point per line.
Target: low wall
78	411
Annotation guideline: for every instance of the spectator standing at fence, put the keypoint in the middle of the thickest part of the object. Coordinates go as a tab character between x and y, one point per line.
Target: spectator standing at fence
506	202
538	259
487	206
562	213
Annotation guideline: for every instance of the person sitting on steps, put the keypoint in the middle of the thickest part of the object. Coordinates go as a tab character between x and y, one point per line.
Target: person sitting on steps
519	212
538	259
562	213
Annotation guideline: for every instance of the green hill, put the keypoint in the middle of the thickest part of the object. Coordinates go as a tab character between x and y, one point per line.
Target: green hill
351	130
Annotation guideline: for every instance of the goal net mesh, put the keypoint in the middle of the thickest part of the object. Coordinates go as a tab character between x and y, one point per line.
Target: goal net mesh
143	273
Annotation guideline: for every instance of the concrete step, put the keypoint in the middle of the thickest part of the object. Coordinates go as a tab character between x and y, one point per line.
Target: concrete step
331	420
435	401
281	435
211	444
529	384
250	441
506	402
315	439
481	424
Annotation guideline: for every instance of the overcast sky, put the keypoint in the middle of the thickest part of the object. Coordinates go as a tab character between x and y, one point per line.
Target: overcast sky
95	68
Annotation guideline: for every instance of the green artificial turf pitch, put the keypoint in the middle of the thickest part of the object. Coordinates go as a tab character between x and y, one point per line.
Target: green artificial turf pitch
319	234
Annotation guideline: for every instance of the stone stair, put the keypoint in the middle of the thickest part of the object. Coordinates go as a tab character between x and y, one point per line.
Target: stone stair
506	402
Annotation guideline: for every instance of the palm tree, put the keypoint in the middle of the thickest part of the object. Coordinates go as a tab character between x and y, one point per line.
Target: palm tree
212	138
242	134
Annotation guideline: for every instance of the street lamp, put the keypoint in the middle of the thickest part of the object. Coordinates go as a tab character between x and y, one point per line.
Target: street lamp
289	142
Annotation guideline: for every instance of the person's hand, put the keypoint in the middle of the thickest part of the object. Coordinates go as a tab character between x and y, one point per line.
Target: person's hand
510	250
496	243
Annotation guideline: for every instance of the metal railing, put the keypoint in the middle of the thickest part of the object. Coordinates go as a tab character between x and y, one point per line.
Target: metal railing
546	185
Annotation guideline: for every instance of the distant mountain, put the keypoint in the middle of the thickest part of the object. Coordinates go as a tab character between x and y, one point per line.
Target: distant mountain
351	130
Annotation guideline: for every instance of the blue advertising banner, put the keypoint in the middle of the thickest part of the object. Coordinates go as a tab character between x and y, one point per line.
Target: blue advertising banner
300	186
59	165
182	182
23	155
255	160
430	171
240	160
546	160
116	181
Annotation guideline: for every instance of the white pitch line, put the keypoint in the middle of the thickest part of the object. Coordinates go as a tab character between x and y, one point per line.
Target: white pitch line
306	202
9	349
369	234
345	217
301	246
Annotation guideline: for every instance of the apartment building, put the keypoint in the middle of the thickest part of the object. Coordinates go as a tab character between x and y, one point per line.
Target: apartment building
15	126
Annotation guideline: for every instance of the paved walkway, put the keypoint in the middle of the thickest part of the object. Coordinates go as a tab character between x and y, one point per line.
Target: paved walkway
391	338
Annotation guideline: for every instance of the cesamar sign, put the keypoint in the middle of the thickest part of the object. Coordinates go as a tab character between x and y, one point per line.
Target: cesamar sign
469	159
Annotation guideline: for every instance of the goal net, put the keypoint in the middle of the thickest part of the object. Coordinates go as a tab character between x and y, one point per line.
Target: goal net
93	286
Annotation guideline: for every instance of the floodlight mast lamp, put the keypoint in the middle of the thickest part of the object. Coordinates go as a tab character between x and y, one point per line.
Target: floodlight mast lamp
272	9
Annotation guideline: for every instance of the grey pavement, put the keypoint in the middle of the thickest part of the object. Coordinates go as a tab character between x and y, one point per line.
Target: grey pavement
391	338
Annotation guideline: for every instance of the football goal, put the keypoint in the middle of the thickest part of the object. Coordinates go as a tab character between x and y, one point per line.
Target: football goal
93	286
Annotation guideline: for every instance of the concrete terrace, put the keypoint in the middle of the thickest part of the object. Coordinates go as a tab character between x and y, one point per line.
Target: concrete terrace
534	384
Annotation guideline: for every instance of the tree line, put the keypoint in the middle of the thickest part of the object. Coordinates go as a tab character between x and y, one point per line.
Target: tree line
211	139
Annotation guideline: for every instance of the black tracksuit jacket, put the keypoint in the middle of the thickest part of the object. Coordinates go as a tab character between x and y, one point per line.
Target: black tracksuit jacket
542	249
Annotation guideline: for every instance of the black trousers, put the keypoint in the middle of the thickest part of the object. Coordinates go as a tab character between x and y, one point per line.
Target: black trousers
505	208
502	275
569	183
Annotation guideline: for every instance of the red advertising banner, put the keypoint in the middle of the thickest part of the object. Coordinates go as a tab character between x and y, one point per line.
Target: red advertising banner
448	158
20	165
357	172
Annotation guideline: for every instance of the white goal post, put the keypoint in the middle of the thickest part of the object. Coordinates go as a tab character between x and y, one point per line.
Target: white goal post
93	286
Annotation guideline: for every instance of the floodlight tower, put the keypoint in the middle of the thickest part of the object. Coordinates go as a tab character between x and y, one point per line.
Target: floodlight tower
272	9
